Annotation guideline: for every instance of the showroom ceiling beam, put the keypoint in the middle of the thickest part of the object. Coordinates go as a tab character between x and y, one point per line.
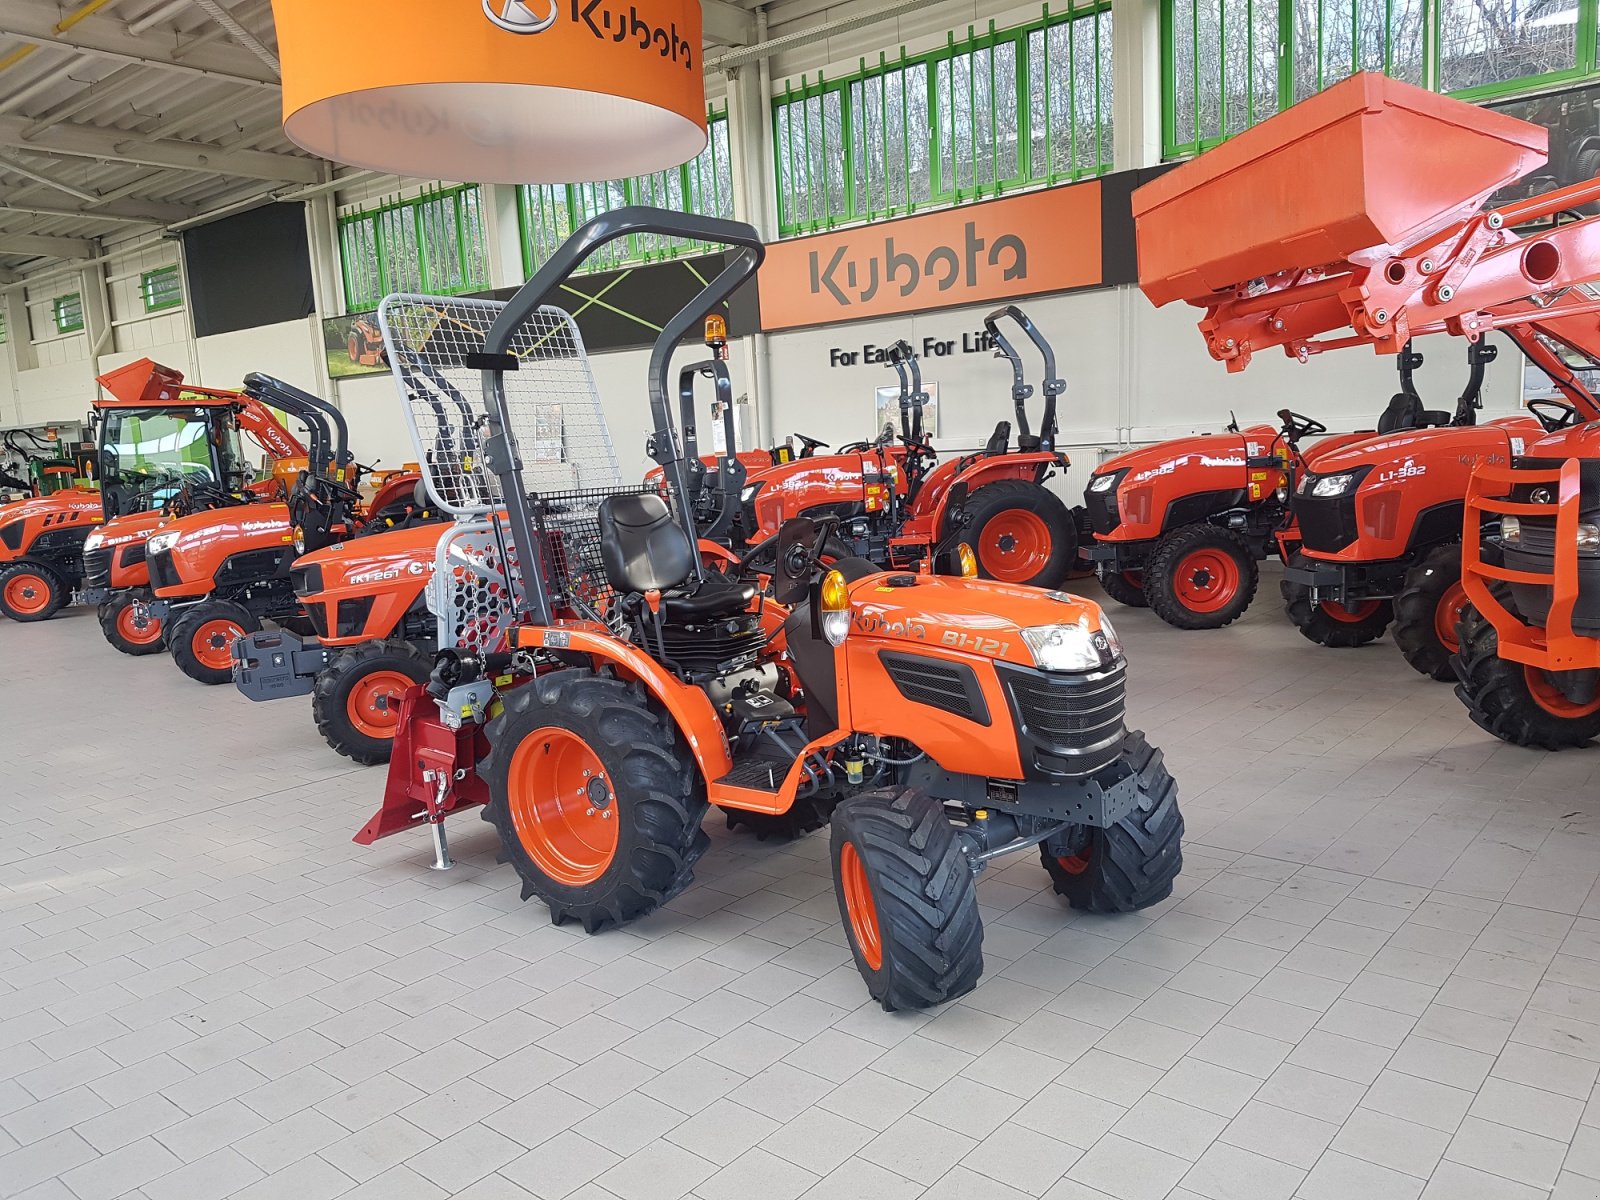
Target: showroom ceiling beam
121	212
11	165
727	24
46	247
120	145
35	21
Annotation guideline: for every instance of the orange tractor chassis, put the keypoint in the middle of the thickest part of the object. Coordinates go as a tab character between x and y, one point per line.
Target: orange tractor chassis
935	722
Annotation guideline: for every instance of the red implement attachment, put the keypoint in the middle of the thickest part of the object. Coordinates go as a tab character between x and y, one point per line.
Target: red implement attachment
432	773
146	382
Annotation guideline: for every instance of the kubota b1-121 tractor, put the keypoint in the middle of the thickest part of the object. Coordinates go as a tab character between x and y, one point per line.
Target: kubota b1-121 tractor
1356	218
606	687
155	434
890	497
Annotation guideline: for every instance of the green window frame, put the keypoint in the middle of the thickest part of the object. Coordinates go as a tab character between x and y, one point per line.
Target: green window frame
161	289
1229	64
434	244
66	312
548	213
986	114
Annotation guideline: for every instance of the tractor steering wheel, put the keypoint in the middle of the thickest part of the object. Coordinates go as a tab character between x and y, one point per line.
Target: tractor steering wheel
1296	426
1554	414
809	445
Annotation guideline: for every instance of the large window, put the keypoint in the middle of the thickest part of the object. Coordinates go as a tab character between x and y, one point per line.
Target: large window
548	213
433	244
986	114
1232	63
161	288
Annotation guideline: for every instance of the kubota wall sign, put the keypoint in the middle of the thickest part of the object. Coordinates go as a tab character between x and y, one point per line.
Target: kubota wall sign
1046	241
501	91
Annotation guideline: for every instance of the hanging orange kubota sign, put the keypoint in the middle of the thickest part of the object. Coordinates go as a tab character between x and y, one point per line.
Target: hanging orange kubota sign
497	91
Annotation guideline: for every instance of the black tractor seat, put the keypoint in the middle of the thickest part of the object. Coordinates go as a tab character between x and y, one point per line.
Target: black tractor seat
644	550
1405	411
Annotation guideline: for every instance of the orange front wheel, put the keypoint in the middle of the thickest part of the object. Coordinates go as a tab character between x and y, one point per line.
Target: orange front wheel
1427	610
202	640
355	701
1201	577
129	627
31	592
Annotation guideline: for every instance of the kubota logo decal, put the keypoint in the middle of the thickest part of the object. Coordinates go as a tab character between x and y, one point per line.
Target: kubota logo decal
518	16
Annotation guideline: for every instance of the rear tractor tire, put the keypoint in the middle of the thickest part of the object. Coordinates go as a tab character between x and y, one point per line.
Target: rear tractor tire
595	796
1021	532
1518	704
1132	864
356	699
1427	611
1330	624
1125	587
907	898
31	591
128	629
1201	577
202	639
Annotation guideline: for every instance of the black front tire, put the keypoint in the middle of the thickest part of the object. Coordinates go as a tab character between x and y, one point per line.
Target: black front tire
917	937
333	695
658	796
110	615
1432	582
202	663
1499	697
993	500
804	816
1120	587
1177	588
40	583
1132	864
1320	622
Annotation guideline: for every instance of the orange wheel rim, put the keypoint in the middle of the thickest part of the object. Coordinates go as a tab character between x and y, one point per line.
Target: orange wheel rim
1447	614
1207	580
374	702
135	629
1014	546
860	907
1075	864
1348	615
213	642
27	594
1549	697
562	806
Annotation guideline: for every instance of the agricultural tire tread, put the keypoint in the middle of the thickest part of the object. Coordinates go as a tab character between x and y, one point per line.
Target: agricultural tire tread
55	586
330	696
1120	588
992	499
110	614
1495	691
1416	608
1161	576
1317	626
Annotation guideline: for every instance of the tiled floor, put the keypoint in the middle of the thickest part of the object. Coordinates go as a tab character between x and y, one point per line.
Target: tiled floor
1379	977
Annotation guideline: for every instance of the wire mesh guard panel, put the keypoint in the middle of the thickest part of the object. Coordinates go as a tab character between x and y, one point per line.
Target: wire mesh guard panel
569	546
468	592
552	407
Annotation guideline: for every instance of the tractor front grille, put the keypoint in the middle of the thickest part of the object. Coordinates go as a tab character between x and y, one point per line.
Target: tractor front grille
307	580
1067	725
162	573
1104	516
1327	525
97	568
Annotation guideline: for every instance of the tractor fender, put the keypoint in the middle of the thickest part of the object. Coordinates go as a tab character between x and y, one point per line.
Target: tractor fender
935	493
689	707
714	555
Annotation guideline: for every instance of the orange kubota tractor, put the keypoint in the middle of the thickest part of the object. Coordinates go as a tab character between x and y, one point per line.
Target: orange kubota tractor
606	687
1374	233
218	574
154	434
890	497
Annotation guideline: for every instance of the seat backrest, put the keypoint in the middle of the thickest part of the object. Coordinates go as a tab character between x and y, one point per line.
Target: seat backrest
641	547
1404	412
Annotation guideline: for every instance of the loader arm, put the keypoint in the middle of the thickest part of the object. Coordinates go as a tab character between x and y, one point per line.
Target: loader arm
264	428
1381	258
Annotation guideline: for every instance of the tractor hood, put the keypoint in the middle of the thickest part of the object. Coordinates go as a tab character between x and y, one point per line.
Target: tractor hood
66	501
1415	453
391	559
123	531
1223	452
979	617
186	554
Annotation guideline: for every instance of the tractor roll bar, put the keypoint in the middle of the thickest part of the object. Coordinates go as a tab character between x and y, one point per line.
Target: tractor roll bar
500	455
1479	355
1021	390
730	471
904	361
309	409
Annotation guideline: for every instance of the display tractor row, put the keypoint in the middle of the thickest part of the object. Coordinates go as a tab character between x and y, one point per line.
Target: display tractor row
1358	218
606	674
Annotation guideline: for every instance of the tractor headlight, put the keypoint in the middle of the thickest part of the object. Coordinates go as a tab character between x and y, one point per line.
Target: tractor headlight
1283	494
299	539
1510	531
834	604
1328	486
1068	647
94	541
969	560
1103	483
160	543
749	493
